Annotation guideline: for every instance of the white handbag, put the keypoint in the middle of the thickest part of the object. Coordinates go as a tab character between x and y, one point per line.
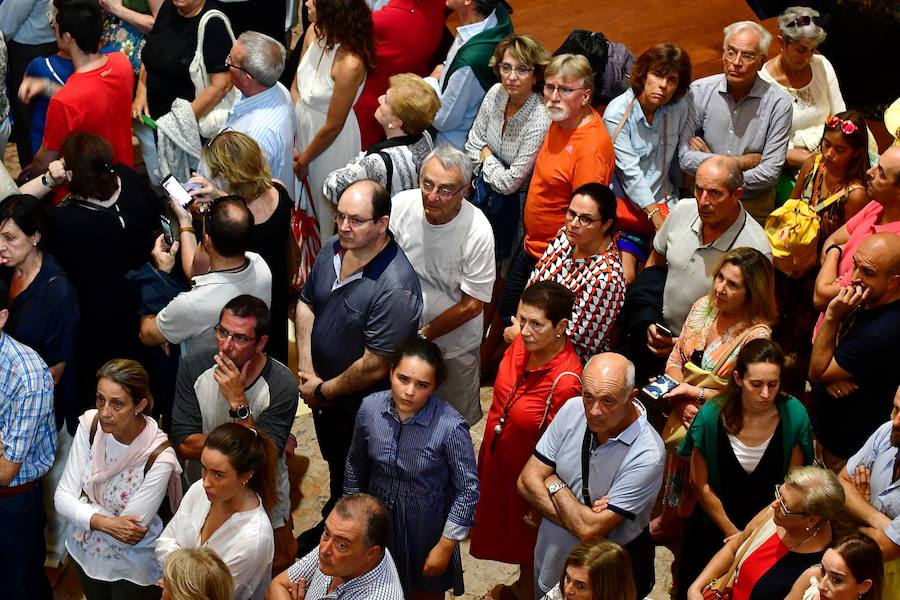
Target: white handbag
213	121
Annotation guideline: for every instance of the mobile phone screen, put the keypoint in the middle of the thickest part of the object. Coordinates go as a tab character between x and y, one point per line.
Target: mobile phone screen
663	385
168	234
176	190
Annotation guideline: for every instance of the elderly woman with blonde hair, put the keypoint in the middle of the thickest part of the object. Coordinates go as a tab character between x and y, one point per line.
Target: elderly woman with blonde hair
405	111
196	574
234	164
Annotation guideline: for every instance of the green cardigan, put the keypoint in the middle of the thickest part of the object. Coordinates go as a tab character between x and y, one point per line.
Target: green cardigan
477	52
703	435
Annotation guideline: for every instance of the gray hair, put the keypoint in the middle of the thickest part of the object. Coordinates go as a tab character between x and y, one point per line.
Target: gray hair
734	177
264	59
765	38
451	158
823	495
812	33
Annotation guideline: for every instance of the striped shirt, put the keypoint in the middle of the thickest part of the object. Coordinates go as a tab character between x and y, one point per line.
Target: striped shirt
598	283
268	117
381	583
27	422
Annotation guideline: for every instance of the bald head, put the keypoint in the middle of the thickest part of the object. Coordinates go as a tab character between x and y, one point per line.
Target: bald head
883	179
724	169
612	367
876	268
884	248
607	391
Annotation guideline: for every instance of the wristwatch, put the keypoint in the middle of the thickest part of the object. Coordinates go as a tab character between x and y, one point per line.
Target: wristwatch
320	396
555	487
242	412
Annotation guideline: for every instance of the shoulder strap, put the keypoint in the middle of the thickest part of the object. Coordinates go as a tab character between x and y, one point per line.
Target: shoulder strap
155	454
389	169
734	345
586	466
94	424
623	119
550	396
742	552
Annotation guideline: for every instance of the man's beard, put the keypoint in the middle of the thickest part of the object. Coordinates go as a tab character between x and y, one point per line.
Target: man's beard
895	437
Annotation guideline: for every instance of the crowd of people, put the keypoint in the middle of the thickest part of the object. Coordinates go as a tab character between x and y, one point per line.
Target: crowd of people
686	301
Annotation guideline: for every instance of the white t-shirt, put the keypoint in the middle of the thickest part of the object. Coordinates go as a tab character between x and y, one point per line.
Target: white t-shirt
244	542
450	259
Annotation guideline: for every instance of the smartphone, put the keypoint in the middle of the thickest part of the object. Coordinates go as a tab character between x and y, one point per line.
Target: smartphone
177	191
662	329
168	233
659	388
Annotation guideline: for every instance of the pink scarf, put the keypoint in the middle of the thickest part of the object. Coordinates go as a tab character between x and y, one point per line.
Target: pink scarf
136	455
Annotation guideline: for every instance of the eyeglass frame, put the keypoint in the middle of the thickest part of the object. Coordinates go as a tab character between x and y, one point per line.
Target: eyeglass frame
231	65
571	216
564	91
745	57
845	125
443	192
506	69
783	508
803	21
223	335
353	222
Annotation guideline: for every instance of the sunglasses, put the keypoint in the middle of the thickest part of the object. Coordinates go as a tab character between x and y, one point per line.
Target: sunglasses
804	21
846	126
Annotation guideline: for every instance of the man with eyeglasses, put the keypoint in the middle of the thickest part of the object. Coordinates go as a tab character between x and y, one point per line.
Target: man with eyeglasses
361	301
450	244
464	77
577	150
741	115
237	382
264	111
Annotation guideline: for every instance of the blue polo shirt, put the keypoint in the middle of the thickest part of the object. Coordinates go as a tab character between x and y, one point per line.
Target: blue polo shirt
628	468
377	308
878	455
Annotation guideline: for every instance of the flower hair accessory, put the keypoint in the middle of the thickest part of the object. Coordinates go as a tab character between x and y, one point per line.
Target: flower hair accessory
846	126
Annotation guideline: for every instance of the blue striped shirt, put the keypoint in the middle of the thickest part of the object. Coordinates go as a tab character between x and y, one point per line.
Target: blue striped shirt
425	463
268	117
27	422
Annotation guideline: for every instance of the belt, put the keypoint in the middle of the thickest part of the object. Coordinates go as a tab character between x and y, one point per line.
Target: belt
15	490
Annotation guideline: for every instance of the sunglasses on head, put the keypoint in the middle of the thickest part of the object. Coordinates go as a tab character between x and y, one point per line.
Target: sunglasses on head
846	126
803	21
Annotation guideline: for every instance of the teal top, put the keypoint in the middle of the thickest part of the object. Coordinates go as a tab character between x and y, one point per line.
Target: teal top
477	52
702	435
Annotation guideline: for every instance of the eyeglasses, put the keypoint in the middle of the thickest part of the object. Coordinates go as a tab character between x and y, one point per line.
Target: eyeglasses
803	21
847	126
231	65
239	339
521	70
444	192
784	509
213	138
585	220
732	55
564	91
353	222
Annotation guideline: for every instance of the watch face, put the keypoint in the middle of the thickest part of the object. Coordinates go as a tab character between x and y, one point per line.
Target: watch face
243	412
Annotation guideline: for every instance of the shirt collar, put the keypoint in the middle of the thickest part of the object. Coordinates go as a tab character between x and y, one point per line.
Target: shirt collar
631	433
375	267
423	417
372	578
757	90
725	241
467	32
249	103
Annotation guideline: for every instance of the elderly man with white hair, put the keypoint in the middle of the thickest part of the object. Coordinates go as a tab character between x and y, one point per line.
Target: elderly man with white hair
450	245
595	473
739	114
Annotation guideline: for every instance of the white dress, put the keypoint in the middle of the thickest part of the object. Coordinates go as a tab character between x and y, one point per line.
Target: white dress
316	86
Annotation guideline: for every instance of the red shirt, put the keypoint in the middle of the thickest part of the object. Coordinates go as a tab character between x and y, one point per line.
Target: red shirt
97	101
568	159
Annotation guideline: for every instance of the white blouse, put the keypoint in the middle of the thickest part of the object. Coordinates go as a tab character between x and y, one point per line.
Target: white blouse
101	556
748	456
244	542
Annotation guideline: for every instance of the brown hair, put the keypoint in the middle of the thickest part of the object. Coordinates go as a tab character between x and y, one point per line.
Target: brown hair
752	353
90	157
237	158
248	450
661	60
609	568
759	283
131	377
863	557
348	23
527	51
858	141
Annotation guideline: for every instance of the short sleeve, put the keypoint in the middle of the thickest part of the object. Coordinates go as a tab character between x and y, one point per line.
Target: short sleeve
893	530
862	216
393	320
701	435
216	46
58	125
478	272
547	449
186	416
278	418
179	319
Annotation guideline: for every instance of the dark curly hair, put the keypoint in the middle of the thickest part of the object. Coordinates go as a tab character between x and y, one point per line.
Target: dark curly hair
348	23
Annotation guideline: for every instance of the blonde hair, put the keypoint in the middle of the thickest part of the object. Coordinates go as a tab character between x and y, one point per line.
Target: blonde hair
823	495
414	102
759	283
197	574
571	66
237	158
524	49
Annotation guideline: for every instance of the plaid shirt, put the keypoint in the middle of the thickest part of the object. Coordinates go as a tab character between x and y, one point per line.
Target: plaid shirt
27	423
381	583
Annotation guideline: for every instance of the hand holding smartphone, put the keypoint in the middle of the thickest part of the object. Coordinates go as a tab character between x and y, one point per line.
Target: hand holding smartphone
177	191
659	388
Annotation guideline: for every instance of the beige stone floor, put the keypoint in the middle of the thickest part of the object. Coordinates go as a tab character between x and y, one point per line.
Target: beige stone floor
480	575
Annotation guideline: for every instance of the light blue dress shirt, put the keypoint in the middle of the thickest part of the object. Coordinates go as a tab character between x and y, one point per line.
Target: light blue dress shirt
878	455
26	21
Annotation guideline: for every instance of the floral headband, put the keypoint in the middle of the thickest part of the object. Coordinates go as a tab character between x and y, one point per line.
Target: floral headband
846	126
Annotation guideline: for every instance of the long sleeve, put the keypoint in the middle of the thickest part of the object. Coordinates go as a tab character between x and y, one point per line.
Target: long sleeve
462	92
361	167
460	458
144	503
356	469
478	133
765	175
628	165
12	14
690	159
168	541
508	180
66	499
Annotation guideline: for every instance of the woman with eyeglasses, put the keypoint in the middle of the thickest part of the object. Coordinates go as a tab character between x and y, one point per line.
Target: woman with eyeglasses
808	79
237	166
509	130
740	445
583	257
782	541
645	123
338	51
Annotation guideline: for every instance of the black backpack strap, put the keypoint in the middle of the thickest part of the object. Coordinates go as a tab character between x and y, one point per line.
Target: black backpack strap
94	425
389	169
155	454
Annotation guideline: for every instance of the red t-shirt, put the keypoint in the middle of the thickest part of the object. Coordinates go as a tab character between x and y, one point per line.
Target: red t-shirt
97	101
567	160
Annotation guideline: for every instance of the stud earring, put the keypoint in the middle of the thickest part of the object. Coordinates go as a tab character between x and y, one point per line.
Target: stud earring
390	125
